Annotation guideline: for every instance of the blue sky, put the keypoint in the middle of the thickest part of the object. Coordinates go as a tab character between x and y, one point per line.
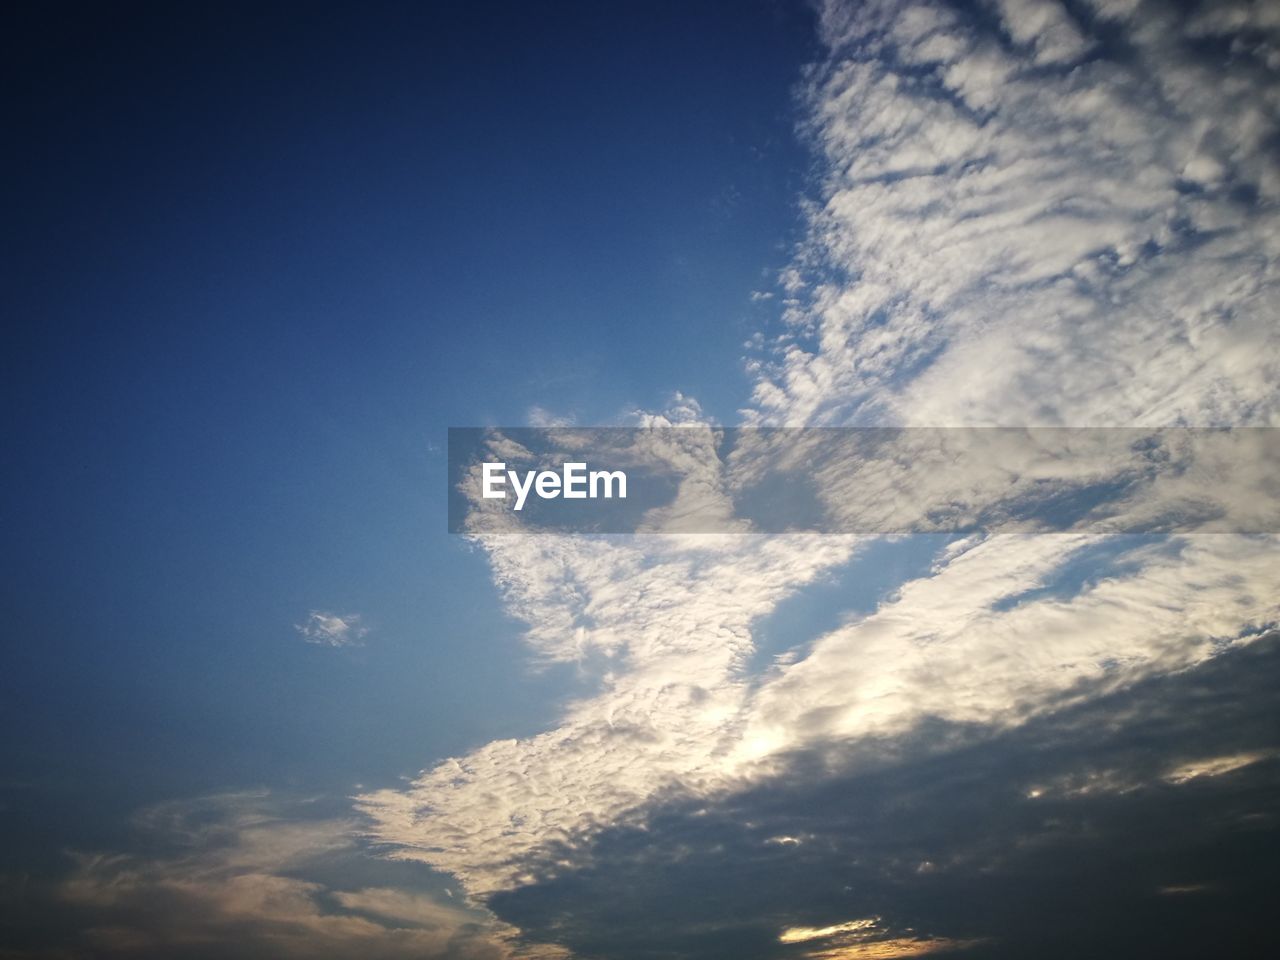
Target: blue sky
262	262
257	700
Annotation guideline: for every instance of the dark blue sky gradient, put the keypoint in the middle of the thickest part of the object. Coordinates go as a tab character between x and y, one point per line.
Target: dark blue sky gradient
255	264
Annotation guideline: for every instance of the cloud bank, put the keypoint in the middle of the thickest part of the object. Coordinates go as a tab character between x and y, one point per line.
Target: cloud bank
1030	214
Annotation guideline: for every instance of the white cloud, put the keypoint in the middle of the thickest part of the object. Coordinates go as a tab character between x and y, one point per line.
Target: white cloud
1018	226
1003	241
332	629
958	646
672	616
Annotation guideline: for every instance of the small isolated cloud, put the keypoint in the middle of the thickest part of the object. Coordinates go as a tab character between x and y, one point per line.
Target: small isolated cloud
801	934
1215	766
332	630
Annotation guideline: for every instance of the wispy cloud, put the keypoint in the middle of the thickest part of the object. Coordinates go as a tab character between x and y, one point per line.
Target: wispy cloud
1216	766
541	417
256	871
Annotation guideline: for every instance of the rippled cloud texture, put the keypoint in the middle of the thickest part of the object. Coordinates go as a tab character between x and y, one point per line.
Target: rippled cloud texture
1036	215
1031	214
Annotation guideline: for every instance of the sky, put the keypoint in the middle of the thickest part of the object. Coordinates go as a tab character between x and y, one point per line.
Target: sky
258	701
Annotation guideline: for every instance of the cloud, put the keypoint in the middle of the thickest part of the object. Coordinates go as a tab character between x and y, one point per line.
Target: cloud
801	934
1215	766
865	939
955	644
676	712
1031	213
670	619
264	874
541	417
932	840
332	630
1035	214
